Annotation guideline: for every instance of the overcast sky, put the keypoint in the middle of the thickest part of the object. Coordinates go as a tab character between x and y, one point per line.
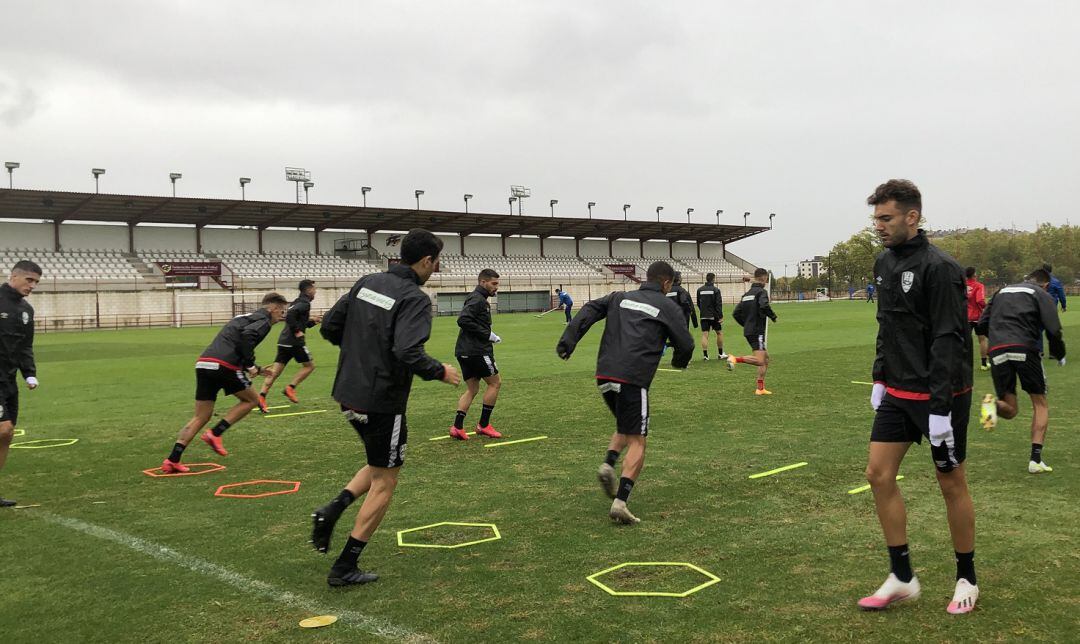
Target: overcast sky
798	108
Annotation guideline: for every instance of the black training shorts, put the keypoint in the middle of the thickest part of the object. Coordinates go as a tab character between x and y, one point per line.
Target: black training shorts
9	404
899	420
384	436
477	367
708	324
286	353
211	377
756	342
630	405
1005	366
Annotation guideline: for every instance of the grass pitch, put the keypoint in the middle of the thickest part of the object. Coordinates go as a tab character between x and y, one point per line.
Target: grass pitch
113	555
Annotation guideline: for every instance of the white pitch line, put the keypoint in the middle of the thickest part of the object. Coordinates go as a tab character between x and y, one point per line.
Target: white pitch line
366	623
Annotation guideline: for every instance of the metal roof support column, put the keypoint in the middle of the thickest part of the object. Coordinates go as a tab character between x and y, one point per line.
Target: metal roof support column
56	234
131	238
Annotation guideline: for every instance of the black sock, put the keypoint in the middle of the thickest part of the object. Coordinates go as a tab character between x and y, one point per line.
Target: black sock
1036	452
900	563
611	457
705	352
177	452
292	385
343	500
625	487
485	415
983	362
264	394
350	554
459	419
220	428
720	349
965	566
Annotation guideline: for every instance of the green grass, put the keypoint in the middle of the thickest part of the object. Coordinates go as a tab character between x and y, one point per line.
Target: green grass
794	551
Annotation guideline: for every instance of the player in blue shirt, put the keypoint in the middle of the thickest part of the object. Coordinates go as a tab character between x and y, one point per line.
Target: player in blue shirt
870	288
565	303
1056	290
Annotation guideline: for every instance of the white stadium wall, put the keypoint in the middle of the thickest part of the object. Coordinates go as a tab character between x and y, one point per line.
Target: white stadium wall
625	248
290	241
518	246
20	235
165	238
559	247
215	240
594	248
92	237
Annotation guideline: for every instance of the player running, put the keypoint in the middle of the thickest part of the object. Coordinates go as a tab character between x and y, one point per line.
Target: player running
381	325
226	365
922	387
639	323
476	355
711	303
976	303
751	312
1015	321
292	345
16	350
566	303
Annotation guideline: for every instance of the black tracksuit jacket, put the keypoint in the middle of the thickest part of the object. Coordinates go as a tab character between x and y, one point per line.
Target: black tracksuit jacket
474	322
234	345
638	324
1017	317
16	338
381	325
711	302
752	310
681	296
924	339
297	320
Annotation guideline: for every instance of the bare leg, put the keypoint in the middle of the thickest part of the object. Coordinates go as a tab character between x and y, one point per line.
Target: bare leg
1007	407
762	358
302	375
958	508
272	374
720	341
617	443
204	409
635	457
881	468
248	401
7	432
984	346
1040	419
491	392
380	491
472	387
704	340
360	483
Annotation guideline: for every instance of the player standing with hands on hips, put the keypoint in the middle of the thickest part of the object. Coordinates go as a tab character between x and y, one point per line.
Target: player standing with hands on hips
476	355
381	325
16	350
922	387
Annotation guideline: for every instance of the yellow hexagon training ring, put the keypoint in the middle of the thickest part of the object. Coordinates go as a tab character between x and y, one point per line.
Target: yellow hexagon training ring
495	535
710	579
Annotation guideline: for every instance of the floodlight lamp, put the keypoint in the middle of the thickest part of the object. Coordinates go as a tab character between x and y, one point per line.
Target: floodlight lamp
592	203
11	165
467	197
553	202
419	192
365	189
175	175
245	180
97	172
689	210
309	184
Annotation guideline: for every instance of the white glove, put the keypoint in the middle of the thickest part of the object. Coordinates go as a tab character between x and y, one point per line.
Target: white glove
494	338
877	395
32	382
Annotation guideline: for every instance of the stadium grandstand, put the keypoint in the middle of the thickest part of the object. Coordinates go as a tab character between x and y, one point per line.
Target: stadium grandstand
114	261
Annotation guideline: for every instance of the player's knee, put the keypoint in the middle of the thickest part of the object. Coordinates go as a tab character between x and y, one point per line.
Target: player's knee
7	432
878	477
953	483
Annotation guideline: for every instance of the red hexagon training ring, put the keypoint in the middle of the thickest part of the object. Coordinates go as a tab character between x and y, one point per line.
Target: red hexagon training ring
158	474
288	487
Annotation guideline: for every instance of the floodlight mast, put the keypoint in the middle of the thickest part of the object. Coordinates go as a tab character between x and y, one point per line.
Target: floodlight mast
243	182
591	204
11	166
299	176
173	176
307	186
363	193
520	194
97	172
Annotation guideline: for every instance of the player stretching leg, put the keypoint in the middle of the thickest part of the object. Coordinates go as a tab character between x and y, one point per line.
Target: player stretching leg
1015	322
226	365
476	355
639	323
751	312
292	345
381	325
922	387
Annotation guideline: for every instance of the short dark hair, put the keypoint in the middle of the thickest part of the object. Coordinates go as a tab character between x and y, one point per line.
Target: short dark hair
558	290
1048	268
274	298
905	193
660	271
305	285
970	272
488	274
761	272
26	266
1040	275
709	277
418	244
